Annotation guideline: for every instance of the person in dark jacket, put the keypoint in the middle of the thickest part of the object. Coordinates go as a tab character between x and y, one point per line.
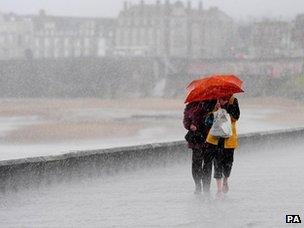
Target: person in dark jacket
194	121
224	148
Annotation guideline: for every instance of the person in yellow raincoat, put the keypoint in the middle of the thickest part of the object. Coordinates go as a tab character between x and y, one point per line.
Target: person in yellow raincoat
223	148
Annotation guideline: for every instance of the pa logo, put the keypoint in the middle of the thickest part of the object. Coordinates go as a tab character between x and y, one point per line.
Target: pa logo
293	219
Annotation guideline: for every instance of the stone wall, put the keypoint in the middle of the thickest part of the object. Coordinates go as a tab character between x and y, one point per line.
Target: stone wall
132	77
32	172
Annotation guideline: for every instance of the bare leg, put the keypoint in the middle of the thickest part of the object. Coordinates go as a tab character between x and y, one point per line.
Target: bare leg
219	186
225	187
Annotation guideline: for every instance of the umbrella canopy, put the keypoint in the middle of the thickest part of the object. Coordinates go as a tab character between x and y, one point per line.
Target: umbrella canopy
213	87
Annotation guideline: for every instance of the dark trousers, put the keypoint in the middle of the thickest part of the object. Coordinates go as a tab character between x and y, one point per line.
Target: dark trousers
202	167
223	160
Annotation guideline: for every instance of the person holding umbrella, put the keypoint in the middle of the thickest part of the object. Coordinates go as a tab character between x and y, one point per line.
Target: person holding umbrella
194	121
223	148
222	88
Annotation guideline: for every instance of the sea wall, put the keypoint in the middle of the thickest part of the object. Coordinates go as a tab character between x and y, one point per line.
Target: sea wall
31	172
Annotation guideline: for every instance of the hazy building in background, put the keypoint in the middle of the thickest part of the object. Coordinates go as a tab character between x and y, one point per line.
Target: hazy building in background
172	30
63	37
45	36
162	29
271	39
15	36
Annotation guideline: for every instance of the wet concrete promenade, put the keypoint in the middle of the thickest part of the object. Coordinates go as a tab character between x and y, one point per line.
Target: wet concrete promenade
266	184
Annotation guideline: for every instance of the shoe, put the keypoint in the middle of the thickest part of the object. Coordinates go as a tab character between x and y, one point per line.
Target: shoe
225	187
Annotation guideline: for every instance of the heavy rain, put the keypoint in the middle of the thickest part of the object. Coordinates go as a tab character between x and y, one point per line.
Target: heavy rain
108	113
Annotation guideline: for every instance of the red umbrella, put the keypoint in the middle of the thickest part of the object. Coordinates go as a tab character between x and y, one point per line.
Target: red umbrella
213	87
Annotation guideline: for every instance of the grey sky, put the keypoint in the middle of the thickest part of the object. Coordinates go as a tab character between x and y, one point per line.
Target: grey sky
110	8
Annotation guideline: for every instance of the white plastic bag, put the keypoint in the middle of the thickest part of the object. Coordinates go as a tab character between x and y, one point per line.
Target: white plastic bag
221	126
